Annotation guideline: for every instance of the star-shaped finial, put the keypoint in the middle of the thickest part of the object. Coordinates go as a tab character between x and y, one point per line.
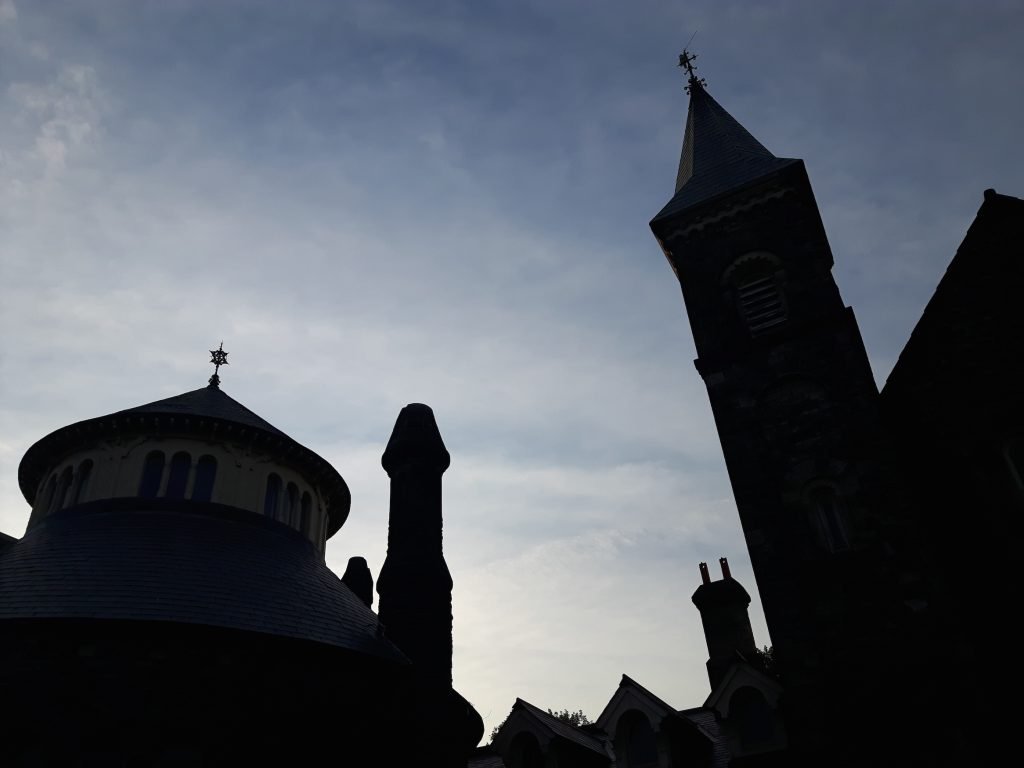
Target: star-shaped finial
218	357
686	60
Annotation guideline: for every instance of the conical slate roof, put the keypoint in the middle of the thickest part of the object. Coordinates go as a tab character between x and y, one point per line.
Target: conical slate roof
211	402
719	155
202	410
217	567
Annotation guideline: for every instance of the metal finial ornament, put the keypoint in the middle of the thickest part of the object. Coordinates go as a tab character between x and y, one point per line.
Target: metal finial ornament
218	357
686	60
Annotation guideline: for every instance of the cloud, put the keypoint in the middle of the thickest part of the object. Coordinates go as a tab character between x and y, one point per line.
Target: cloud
8	12
376	203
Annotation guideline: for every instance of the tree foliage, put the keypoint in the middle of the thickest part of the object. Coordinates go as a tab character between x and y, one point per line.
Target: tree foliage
575	719
764	660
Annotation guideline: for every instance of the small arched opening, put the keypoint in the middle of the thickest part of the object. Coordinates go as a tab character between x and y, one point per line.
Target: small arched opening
272	497
636	741
525	752
206	473
752	717
291	505
81	485
177	480
306	521
152	474
47	495
60	497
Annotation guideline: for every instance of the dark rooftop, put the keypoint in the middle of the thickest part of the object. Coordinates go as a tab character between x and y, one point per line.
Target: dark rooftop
211	566
719	156
564	730
211	402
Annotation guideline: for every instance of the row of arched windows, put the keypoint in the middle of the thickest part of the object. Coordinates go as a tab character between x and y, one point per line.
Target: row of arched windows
177	476
67	489
284	503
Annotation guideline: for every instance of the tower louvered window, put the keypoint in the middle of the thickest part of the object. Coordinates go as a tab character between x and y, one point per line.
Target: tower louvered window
761	303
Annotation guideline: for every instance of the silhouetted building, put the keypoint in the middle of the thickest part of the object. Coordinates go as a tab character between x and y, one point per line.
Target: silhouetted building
739	723
880	526
169	603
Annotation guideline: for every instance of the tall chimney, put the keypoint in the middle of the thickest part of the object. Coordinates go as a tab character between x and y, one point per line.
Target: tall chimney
414	585
723	611
359	579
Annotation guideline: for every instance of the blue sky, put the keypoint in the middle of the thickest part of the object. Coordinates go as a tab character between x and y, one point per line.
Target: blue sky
381	202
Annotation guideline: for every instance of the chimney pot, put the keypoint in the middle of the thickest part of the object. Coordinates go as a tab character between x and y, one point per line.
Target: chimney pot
705	577
724	562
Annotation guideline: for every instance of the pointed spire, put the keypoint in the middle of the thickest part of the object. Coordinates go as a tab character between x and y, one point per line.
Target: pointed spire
719	155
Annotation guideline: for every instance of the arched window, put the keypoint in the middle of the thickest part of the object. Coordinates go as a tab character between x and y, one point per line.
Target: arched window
273	495
525	752
291	505
81	485
206	472
828	516
752	716
152	474
756	282
177	481
63	486
47	500
305	523
637	740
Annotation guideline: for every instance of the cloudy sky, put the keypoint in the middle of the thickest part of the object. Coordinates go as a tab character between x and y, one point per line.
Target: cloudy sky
376	202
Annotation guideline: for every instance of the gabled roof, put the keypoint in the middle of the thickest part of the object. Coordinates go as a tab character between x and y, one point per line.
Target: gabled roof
626	687
630	694
558	728
719	156
742	674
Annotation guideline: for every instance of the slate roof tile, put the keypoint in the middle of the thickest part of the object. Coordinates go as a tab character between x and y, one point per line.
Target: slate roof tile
719	156
231	569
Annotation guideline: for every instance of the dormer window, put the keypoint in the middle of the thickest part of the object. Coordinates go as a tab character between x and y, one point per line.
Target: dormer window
637	740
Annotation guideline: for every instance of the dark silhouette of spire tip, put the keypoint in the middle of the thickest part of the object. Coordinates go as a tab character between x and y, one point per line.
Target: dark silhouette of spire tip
218	357
686	60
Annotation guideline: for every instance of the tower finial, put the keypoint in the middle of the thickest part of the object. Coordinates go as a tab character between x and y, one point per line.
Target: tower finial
218	357
686	60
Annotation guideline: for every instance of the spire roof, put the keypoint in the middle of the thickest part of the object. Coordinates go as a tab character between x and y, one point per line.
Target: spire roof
719	155
211	402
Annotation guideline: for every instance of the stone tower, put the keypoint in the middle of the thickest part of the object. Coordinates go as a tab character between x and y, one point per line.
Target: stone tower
793	396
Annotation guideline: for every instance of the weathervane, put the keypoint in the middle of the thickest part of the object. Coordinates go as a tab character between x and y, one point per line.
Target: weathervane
686	60
218	357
